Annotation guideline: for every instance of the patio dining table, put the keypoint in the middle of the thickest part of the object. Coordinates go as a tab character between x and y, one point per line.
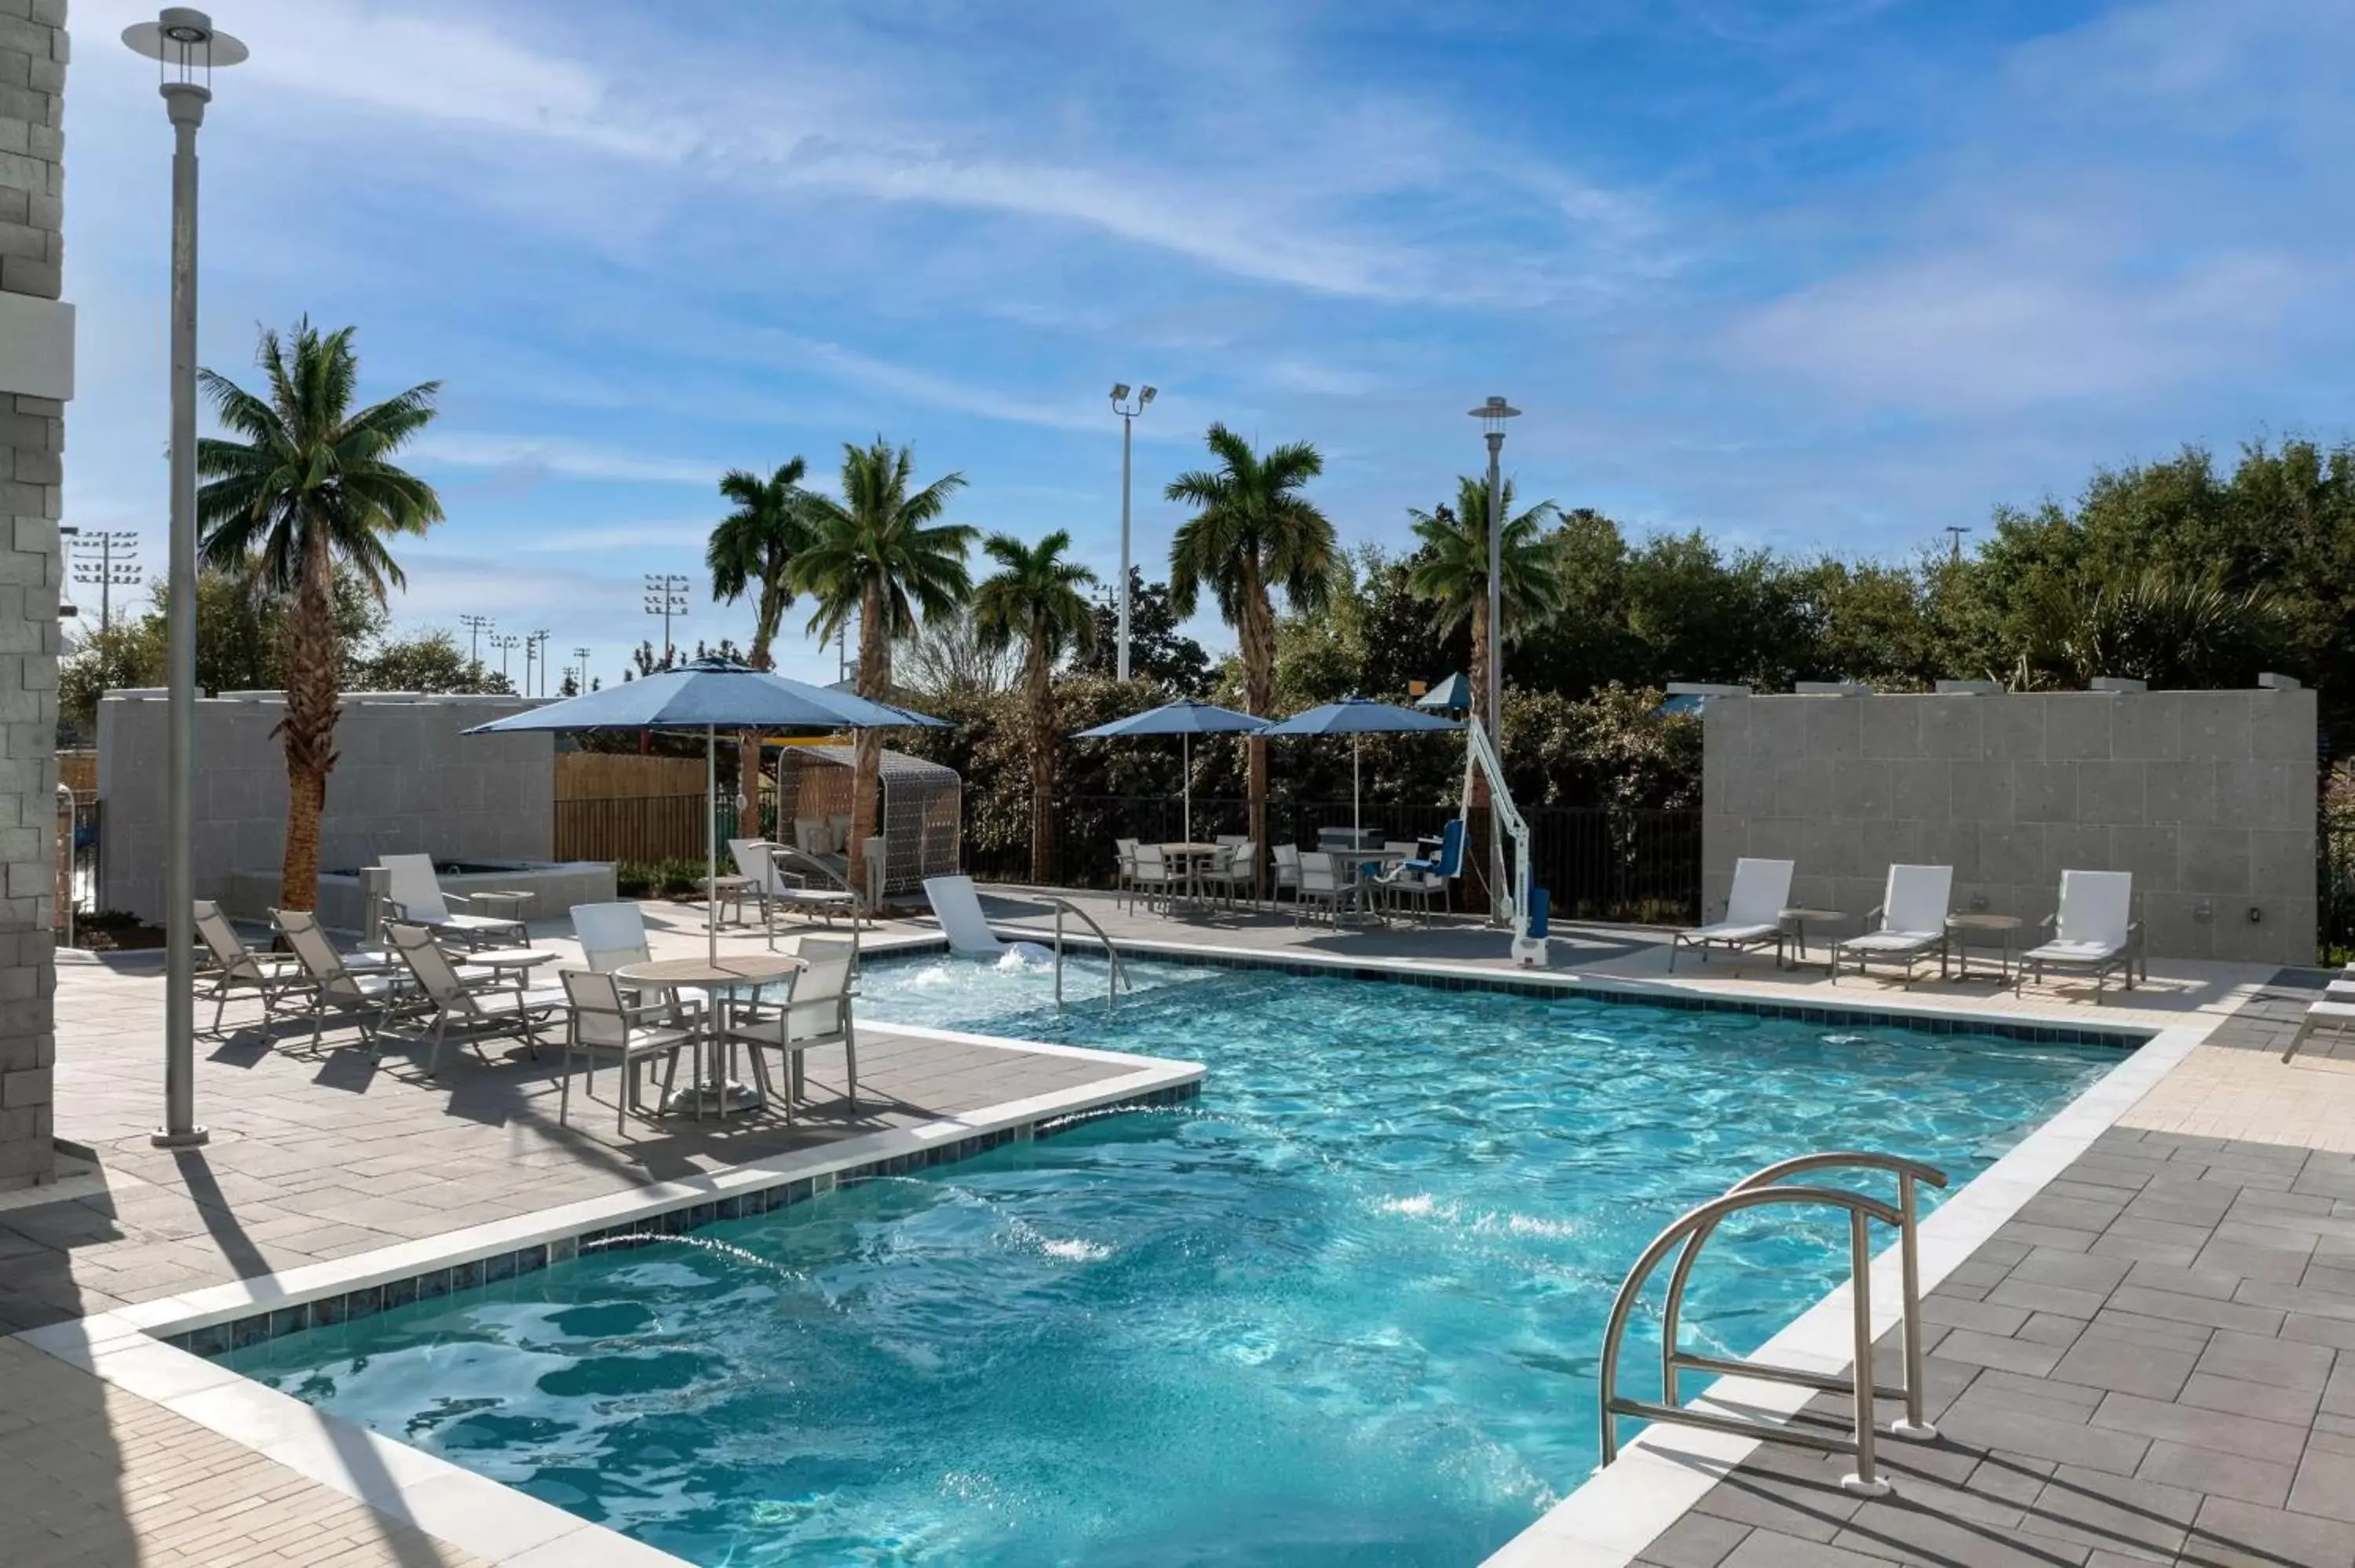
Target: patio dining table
712	1088
1186	862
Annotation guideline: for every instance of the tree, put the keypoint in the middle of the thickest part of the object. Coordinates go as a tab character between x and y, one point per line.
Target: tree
1034	600
1451	569
882	553
431	663
1159	648
947	653
309	486
1252	532
751	551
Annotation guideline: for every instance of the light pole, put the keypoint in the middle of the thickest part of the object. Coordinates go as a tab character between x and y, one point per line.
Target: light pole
1957	531
109	559
476	625
186	50
503	641
665	597
1127	433
581	656
1492	416
540	638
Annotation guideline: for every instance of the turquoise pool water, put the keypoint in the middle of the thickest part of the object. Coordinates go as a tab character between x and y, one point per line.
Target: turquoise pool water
1344	1309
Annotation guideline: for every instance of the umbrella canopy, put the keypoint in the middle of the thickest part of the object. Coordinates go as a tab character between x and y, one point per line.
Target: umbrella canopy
1178	718
1453	694
1184	720
1356	717
711	695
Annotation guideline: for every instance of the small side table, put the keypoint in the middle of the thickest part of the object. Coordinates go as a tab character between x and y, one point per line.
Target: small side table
509	904
1994	931
730	892
1797	918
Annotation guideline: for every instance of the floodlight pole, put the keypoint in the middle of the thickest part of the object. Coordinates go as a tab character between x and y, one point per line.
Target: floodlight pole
1128	414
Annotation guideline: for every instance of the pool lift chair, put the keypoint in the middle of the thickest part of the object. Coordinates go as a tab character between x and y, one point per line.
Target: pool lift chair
1694	1229
1527	909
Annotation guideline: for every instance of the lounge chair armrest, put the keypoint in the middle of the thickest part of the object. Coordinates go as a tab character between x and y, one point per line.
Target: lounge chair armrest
2050	922
1873	918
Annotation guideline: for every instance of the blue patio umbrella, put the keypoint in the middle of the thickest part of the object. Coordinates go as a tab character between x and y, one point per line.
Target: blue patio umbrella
1358	717
711	695
1186	720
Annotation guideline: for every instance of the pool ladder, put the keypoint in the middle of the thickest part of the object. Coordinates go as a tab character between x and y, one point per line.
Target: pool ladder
1115	979
1686	1237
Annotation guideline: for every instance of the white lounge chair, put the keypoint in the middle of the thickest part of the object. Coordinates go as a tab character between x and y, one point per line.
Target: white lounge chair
364	990
791	880
234	966
1754	912
1911	921
416	899
958	909
479	1006
2335	1010
2094	931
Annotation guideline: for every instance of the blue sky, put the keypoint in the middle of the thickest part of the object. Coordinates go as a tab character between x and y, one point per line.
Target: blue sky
1816	273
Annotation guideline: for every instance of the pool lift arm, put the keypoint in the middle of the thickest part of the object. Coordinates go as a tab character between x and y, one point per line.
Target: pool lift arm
1526	908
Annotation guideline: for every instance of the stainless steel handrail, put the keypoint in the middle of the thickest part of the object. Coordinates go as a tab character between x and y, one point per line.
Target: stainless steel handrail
1687	1236
1116	980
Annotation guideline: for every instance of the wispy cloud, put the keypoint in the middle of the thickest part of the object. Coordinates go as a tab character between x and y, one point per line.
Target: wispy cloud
530	458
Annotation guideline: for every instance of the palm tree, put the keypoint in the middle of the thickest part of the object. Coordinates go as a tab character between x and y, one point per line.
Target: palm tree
308	492
1452	569
1253	531
882	554
1034	598
751	551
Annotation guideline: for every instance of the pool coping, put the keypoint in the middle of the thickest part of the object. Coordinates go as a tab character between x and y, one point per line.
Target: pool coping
1602	1524
131	1347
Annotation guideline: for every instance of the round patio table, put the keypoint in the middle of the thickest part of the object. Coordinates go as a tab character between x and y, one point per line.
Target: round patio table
711	1089
1189	861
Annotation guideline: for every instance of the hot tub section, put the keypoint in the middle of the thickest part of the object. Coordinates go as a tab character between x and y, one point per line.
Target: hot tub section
556	887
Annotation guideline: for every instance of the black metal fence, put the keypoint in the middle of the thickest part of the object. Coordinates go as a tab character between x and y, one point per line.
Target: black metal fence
1599	864
2334	843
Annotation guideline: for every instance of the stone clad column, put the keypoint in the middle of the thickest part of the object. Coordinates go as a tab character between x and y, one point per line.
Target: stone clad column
36	378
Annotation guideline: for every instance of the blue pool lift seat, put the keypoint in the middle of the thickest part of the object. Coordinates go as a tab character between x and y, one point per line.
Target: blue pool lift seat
1448	863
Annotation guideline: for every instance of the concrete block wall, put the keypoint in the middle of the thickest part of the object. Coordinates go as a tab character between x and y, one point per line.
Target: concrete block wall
32	444
2208	798
406	780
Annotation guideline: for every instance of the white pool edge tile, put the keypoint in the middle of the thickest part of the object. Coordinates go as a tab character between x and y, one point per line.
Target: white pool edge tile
1663	1470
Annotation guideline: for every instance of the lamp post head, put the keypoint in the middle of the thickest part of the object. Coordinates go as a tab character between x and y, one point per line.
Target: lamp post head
1493	414
1119	390
1144	396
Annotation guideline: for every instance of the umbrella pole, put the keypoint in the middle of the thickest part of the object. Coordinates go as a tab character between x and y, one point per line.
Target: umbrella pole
711	842
1186	767
1356	785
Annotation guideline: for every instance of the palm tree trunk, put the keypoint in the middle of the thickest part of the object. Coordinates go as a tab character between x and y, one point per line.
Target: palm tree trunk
866	775
308	731
1258	643
1042	764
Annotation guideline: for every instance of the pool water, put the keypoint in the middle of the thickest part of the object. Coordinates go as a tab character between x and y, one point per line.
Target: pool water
1343	1309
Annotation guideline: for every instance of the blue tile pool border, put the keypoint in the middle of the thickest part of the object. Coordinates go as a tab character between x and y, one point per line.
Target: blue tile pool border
216	1340
2116	1036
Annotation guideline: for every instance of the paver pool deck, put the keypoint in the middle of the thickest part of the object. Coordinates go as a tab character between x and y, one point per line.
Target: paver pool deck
2142	1365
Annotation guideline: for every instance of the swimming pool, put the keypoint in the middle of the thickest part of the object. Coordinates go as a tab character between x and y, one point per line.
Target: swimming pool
1342	1309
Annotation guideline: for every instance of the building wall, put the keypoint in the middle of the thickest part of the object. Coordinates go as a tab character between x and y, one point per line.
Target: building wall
406	780
32	442
2208	798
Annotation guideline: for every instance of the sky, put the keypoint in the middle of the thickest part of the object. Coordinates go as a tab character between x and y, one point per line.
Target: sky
1813	274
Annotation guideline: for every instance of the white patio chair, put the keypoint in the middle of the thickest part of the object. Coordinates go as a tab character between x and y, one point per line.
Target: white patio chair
234	966
1404	881
816	1012
1754	912
416	899
1124	869
599	1020
1287	874
1911	921
1154	879
367	995
478	1008
2094	931
1321	882
1233	870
